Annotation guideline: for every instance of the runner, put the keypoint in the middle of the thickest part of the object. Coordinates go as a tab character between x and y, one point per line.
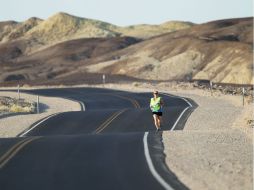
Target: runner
156	104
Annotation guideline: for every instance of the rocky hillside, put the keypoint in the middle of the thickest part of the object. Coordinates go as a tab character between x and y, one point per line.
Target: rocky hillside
145	31
22	29
221	51
55	62
63	27
6	28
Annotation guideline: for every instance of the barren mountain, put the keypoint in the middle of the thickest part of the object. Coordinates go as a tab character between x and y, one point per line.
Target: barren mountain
221	51
47	65
63	27
145	31
6	28
22	28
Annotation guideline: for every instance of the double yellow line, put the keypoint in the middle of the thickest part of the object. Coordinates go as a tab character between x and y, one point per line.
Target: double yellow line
116	114
14	150
133	101
108	121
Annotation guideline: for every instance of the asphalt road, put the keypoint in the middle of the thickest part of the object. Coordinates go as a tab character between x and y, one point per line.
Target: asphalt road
110	144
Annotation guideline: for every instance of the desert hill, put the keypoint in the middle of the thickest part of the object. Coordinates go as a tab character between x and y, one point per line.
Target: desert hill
220	51
63	27
55	62
145	31
6	28
22	28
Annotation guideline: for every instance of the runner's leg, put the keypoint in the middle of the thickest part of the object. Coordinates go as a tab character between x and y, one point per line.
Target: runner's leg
155	117
159	121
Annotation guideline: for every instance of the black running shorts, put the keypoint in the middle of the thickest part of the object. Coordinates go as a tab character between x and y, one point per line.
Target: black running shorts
158	113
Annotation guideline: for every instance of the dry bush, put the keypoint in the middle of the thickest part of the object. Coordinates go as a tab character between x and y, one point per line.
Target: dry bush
13	105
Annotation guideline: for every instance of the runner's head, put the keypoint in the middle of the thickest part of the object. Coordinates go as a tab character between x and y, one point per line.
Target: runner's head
155	93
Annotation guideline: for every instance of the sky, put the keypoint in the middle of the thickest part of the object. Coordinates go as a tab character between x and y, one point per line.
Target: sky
129	12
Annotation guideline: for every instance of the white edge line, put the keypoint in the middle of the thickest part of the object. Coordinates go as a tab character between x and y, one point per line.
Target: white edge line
81	103
151	166
178	119
178	97
147	154
187	101
190	105
37	124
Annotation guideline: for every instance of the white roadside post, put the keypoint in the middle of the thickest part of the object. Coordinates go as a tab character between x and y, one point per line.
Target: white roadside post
18	92
103	79
38	103
243	92
211	88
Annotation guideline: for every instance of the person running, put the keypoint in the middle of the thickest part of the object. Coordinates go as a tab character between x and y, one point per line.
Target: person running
156	104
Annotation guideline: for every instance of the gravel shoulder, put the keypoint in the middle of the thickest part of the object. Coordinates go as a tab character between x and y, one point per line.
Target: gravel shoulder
14	125
215	149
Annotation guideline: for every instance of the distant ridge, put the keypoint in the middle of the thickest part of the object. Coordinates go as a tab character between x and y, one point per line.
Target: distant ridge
62	27
67	49
145	31
6	27
21	29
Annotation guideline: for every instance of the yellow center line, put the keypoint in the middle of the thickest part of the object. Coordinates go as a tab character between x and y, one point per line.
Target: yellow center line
14	150
105	122
138	105
11	149
132	100
108	121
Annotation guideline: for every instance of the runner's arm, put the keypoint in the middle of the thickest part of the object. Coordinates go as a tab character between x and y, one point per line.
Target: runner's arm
161	102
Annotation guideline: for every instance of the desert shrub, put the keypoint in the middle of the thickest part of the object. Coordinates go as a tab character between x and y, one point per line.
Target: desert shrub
13	105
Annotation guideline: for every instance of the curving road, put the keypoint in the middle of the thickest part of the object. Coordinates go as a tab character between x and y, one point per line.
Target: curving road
110	144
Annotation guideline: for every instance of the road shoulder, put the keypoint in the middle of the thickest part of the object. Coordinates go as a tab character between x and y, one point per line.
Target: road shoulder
14	125
215	149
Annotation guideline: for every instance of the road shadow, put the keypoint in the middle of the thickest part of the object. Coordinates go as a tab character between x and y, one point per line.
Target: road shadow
158	156
42	108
